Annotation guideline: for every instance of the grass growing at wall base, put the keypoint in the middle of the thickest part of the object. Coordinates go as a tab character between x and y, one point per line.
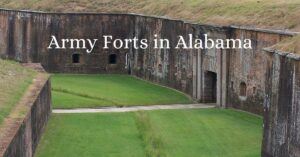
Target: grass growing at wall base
75	91
160	133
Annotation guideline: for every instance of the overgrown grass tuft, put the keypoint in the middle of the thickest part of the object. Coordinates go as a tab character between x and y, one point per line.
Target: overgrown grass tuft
154	145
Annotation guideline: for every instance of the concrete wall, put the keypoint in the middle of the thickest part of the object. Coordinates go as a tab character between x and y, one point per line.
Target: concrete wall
22	139
282	105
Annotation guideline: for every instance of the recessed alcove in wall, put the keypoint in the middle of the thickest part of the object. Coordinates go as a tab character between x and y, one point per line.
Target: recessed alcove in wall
254	90
159	68
243	91
210	86
75	58
112	59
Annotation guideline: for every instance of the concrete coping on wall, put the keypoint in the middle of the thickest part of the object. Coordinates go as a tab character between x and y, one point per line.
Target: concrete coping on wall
12	124
283	53
273	31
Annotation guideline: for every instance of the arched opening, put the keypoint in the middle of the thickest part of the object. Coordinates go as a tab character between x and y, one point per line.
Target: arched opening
76	58
112	59
243	89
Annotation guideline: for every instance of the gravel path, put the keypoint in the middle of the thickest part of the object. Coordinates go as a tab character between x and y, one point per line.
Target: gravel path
133	108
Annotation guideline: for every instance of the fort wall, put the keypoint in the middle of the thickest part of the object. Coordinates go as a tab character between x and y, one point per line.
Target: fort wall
282	105
251	80
208	75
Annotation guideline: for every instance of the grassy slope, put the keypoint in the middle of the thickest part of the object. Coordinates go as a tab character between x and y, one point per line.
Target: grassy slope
109	90
200	132
263	13
14	79
291	45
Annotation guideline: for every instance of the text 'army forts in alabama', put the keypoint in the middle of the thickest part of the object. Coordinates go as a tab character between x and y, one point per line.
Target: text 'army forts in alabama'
189	42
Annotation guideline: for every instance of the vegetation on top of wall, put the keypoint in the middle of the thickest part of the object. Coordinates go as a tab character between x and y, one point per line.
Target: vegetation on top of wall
291	45
279	14
14	80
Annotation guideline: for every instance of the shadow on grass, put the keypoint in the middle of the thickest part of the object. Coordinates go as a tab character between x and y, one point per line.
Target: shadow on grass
86	96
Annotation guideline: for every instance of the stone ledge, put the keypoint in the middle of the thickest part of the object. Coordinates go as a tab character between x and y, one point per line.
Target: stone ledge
283	53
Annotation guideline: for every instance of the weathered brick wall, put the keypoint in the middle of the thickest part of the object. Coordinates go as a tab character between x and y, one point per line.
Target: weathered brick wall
272	80
24	36
281	107
23	139
249	66
182	69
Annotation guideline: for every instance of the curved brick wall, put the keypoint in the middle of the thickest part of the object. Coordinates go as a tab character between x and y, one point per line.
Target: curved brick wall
24	36
203	74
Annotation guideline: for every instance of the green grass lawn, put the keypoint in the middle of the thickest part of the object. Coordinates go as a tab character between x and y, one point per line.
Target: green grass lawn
74	91
14	80
173	133
91	135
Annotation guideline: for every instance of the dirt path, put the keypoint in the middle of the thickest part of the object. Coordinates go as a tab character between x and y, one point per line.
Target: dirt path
132	108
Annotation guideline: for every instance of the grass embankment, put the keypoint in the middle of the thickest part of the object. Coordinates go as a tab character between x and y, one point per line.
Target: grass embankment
74	91
160	133
281	14
14	80
290	45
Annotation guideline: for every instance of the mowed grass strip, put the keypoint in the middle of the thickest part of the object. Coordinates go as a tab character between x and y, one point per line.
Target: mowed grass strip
173	133
74	91
91	135
208	133
14	80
